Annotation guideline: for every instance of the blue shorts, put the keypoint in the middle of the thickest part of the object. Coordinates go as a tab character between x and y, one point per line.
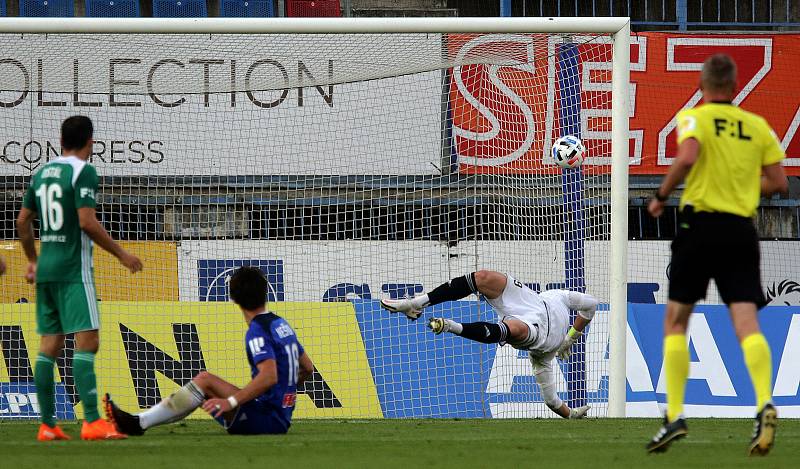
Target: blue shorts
253	418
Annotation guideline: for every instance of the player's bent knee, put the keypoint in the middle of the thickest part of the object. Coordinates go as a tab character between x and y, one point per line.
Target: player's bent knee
87	341
490	282
51	345
482	277
520	334
482	280
518	331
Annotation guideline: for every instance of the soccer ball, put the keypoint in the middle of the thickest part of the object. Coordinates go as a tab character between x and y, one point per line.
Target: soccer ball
568	151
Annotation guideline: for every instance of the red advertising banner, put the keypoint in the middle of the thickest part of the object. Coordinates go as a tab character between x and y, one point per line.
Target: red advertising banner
505	117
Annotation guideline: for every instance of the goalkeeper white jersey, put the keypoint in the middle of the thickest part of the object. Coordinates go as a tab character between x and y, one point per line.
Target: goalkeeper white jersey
547	314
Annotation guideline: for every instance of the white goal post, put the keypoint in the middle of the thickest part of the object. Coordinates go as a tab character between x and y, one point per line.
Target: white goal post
510	187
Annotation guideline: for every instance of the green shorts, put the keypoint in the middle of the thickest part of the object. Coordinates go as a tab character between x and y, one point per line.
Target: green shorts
64	308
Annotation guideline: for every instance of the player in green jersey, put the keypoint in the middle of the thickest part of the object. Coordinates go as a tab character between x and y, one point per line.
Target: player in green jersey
63	193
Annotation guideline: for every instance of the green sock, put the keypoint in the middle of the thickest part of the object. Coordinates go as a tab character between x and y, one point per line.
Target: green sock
45	388
86	382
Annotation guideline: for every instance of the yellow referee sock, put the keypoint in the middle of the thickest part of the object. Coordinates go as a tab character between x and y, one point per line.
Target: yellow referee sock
758	359
676	366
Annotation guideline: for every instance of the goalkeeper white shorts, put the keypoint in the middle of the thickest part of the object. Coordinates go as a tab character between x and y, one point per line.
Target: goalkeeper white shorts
547	322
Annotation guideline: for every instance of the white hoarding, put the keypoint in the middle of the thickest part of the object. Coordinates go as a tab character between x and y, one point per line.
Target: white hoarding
311	269
225	105
648	263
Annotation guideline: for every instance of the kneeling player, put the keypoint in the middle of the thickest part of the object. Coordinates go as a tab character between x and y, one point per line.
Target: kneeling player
278	365
528	321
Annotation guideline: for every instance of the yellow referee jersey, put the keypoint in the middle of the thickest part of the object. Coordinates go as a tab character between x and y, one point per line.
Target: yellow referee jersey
734	145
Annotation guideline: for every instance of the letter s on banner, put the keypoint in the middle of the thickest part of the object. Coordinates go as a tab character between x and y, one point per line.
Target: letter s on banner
493	106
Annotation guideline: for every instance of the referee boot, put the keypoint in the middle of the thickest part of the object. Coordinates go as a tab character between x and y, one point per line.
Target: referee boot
671	431
764	432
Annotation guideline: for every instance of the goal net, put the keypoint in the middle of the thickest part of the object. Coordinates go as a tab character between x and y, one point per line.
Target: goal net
349	167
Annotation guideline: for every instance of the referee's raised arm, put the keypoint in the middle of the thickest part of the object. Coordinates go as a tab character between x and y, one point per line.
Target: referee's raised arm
729	158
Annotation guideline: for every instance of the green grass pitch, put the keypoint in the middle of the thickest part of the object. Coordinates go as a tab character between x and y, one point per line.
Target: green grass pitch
408	444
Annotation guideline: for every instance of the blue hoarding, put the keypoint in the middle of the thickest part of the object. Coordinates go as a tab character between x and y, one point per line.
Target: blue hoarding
419	374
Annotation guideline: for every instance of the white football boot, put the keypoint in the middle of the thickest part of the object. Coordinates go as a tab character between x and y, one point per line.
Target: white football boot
579	412
404	306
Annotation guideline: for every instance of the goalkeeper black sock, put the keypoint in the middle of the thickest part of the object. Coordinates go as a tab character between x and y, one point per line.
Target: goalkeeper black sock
484	332
455	289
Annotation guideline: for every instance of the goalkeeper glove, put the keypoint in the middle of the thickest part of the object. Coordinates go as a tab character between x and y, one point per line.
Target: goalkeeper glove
566	345
580	412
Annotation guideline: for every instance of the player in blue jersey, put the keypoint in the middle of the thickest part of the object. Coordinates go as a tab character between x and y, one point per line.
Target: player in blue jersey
278	366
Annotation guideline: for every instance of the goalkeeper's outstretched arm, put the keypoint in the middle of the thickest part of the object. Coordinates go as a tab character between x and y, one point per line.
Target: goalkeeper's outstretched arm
586	306
546	379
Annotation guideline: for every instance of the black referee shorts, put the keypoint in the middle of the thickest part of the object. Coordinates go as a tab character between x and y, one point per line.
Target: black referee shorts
719	246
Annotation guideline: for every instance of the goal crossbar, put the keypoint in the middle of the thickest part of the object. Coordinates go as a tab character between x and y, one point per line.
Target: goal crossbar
308	26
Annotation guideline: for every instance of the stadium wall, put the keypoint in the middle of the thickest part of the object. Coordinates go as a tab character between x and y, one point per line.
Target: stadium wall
363	372
158	282
363	275
372	364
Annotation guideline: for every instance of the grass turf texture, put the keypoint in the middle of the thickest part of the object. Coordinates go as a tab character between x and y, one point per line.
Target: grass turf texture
598	443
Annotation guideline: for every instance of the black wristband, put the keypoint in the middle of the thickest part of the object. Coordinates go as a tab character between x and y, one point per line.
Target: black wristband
659	197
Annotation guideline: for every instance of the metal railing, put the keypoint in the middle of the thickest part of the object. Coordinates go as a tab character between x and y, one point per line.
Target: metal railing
779	220
680	15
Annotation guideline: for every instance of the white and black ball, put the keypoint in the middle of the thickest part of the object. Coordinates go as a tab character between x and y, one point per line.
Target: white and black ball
568	152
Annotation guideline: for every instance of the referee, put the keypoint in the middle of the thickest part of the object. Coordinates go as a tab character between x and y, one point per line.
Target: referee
729	158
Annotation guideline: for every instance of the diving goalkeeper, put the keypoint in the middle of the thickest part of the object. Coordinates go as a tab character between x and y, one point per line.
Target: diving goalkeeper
278	366
537	323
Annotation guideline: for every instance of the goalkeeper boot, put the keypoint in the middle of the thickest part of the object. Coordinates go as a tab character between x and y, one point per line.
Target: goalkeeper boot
100	429
439	325
404	306
764	431
123	421
579	412
671	431
48	433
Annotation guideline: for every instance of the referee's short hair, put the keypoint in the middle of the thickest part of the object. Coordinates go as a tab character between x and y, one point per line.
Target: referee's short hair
76	131
719	73
248	288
